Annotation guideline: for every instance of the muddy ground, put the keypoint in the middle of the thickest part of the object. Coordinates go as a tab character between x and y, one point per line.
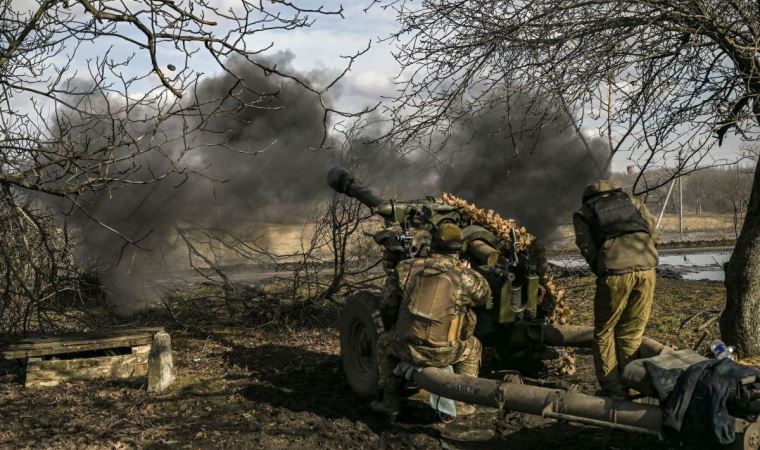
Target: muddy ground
264	380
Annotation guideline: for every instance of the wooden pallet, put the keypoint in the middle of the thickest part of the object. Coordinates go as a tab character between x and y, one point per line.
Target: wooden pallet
53	359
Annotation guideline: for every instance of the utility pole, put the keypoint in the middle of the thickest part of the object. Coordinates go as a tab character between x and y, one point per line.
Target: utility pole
680	207
665	204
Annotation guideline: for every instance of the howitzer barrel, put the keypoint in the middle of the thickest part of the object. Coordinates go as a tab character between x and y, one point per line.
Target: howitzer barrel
342	181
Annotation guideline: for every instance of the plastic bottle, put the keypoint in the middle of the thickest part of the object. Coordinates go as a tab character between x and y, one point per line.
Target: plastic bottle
721	350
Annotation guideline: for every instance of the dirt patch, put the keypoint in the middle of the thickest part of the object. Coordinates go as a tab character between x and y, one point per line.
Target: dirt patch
245	385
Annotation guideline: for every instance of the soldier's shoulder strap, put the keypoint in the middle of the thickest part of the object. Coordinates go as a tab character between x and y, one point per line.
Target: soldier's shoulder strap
411	267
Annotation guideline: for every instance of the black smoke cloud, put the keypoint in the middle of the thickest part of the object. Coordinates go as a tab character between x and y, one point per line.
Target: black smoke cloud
219	188
531	171
523	158
524	166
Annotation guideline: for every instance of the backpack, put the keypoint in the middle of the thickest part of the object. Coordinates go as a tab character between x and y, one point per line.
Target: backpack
613	215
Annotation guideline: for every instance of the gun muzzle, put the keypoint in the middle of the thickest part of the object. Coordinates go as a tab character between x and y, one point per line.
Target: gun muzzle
343	182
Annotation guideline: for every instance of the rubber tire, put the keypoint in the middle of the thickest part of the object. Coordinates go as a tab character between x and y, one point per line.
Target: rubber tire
358	342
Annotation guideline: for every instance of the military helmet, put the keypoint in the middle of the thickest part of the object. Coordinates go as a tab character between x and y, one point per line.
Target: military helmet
599	187
448	238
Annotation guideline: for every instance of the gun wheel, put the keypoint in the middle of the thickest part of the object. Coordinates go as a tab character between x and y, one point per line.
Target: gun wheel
751	440
358	342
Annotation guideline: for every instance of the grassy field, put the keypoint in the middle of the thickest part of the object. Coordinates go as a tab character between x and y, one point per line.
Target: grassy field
705	227
288	238
703	222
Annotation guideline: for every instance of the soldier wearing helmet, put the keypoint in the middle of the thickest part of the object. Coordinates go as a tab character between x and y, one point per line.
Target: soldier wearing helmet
426	302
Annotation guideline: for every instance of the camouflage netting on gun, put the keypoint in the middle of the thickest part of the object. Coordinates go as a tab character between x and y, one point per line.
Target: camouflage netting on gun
491	221
562	312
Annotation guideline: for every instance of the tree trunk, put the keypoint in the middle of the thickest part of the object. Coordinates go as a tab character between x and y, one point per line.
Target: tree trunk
740	321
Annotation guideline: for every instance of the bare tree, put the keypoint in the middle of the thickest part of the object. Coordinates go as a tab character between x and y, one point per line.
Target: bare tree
50	107
100	95
39	281
680	74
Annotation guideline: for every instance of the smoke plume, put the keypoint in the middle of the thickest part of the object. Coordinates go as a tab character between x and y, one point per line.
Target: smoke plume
278	177
516	164
524	166
523	158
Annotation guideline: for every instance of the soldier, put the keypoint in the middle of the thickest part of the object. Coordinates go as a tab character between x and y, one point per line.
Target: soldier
616	234
427	301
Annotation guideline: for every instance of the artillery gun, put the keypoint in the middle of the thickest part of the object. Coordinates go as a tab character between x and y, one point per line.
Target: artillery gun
515	319
512	271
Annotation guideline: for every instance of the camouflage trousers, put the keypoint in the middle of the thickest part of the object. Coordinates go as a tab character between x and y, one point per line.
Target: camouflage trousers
464	356
622	306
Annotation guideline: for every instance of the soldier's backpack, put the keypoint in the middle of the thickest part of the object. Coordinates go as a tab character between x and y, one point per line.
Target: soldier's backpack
614	215
429	315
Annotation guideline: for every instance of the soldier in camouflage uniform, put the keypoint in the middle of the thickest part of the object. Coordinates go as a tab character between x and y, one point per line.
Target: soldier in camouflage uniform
617	235
428	301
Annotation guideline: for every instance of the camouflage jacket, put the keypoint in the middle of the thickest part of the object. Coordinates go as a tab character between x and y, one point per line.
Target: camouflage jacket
473	287
622	254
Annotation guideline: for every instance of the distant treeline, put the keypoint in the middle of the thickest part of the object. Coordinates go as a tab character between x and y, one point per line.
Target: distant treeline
713	190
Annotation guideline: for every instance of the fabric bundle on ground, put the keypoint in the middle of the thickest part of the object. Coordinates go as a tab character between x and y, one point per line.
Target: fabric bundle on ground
695	399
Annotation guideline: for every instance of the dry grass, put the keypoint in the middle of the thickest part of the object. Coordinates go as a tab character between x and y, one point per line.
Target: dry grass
752	362
703	222
704	227
283	239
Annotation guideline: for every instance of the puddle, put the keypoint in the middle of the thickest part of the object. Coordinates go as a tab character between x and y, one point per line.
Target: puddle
712	275
715	259
568	262
692	265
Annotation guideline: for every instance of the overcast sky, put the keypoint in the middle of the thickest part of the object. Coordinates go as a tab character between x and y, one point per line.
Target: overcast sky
331	37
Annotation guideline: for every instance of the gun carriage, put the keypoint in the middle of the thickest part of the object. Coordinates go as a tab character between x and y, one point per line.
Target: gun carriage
513	270
515	319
